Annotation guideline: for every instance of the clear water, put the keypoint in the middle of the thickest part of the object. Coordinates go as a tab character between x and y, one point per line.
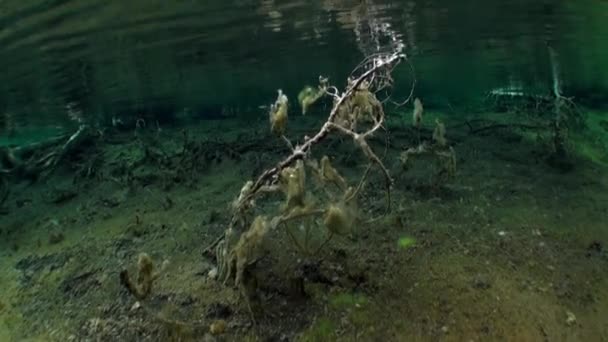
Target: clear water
131	127
108	58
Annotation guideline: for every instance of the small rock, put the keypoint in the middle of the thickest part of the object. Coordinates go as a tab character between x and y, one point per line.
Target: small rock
218	327
212	273
136	306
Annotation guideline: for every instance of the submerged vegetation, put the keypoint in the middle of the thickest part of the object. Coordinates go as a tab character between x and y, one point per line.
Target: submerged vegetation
303	208
363	214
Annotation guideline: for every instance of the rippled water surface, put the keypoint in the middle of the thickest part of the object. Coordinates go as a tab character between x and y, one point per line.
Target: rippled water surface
105	58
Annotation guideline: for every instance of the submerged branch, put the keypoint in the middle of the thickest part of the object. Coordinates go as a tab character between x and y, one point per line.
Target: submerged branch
299	152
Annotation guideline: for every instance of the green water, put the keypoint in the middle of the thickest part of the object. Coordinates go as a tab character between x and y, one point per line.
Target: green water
145	196
109	58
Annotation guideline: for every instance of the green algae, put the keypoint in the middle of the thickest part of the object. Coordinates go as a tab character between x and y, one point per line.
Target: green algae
406	242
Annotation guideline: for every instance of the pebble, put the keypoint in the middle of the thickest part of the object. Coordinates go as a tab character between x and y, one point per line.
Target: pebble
212	273
136	306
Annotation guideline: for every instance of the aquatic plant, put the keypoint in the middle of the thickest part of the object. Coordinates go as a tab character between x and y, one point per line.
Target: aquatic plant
246	250
439	149
141	288
145	277
278	114
309	95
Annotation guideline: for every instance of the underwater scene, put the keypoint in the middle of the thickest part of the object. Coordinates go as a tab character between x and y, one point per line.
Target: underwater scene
291	170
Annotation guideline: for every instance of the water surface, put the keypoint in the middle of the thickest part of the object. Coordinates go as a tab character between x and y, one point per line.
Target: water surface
107	58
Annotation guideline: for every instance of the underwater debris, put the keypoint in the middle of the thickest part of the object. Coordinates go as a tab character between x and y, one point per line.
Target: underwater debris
305	208
31	162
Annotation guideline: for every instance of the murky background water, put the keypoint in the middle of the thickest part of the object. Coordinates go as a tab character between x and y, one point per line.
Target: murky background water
107	58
